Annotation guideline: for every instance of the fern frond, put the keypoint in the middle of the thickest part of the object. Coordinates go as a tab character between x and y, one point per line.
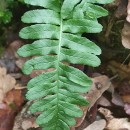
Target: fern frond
57	30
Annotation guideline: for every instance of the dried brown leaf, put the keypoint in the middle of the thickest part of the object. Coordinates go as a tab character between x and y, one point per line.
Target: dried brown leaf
127	108
6	118
100	85
104	102
121	8
128	11
117	100
126	35
28	124
14	97
118	123
114	123
97	125
9	56
7	83
126	98
106	112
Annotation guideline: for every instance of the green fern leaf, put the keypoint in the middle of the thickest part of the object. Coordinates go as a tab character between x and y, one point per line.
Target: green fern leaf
57	29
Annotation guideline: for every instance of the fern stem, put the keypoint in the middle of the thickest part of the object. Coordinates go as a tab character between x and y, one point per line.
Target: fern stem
58	64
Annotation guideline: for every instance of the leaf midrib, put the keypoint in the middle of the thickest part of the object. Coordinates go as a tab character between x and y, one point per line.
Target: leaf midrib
57	67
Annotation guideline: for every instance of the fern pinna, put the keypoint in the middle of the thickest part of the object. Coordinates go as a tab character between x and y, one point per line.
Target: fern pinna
59	26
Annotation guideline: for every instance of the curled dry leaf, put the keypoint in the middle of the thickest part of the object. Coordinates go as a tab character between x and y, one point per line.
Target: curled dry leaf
106	112
128	11
114	123
7	83
101	125
100	85
126	35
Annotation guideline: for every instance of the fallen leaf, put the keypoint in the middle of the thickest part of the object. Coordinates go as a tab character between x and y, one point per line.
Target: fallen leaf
117	99
121	9
29	123
126	98
84	124
100	85
6	118
127	108
15	98
118	123
114	123
128	12
8	110
101	125
7	83
9	56
104	102
3	106
26	124
126	35
11	100
25	120
106	112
